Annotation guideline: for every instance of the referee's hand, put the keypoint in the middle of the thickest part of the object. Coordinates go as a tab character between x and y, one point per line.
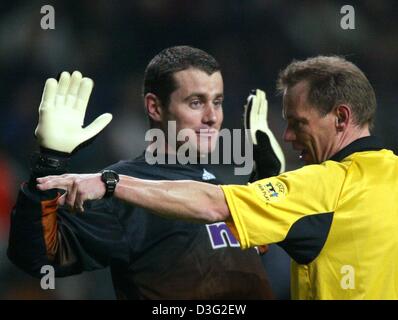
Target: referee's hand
79	188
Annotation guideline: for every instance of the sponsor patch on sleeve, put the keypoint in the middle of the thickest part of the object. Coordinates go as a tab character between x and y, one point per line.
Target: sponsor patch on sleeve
270	190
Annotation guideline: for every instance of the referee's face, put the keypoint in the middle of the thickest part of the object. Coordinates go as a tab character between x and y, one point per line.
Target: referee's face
312	134
196	106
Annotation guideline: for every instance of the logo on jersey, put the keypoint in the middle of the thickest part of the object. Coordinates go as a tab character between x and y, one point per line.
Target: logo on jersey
220	236
271	190
207	175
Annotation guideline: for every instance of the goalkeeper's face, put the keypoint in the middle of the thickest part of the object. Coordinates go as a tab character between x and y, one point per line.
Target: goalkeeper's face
312	134
196	108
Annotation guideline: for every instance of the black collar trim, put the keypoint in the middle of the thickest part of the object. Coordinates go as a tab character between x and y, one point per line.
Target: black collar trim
362	144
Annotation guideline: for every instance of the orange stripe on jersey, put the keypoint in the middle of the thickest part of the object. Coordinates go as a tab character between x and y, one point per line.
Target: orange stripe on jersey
262	249
49	224
231	225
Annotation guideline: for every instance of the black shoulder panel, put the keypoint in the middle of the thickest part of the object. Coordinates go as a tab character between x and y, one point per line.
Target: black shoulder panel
307	237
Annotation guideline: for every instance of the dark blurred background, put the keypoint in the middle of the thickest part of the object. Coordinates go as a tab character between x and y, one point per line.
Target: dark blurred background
112	42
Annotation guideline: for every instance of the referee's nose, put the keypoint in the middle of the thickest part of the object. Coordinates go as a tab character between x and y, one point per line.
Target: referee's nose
289	135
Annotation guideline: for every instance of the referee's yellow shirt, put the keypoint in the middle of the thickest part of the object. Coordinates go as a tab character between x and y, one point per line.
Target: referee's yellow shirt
338	221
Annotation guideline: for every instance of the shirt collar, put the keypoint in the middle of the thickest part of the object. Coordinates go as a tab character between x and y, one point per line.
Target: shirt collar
362	144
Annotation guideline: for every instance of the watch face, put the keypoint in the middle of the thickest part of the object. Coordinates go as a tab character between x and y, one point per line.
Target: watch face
108	175
110	179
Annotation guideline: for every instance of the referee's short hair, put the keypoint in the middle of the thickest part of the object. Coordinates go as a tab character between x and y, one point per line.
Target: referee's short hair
333	80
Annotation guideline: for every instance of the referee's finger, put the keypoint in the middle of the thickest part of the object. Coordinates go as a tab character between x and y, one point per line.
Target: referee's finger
46	178
56	183
61	199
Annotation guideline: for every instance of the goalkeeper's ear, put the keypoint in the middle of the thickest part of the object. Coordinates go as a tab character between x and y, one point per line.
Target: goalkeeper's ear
154	107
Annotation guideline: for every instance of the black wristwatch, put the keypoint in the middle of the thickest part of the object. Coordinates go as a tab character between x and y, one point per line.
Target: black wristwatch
110	178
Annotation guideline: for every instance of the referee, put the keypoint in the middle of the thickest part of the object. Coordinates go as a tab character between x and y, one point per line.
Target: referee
337	217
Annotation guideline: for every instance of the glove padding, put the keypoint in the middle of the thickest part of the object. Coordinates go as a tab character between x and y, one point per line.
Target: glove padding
269	159
61	113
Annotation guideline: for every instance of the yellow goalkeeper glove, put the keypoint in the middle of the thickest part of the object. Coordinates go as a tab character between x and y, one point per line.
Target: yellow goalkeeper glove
268	156
61	113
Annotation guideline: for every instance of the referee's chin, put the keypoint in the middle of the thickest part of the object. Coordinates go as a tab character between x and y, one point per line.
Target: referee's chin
307	158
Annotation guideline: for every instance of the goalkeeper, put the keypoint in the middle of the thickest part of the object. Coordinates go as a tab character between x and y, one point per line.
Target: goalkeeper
150	257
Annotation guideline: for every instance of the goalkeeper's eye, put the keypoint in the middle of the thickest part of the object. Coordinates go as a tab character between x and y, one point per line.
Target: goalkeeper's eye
218	103
195	104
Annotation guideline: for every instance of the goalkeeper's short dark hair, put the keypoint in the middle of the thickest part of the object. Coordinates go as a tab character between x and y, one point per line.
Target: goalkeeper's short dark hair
159	73
333	80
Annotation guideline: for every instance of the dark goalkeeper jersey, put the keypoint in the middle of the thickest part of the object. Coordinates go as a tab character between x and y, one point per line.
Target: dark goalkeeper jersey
150	257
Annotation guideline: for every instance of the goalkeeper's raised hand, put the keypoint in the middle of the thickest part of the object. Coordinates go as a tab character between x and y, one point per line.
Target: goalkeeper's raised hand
61	113
267	153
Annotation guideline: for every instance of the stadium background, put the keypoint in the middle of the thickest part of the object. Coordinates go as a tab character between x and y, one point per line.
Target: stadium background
112	41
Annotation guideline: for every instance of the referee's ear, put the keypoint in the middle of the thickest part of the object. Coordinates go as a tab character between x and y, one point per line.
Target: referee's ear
343	116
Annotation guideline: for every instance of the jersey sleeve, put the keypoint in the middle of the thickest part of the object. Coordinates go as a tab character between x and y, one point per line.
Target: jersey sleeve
294	209
44	234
